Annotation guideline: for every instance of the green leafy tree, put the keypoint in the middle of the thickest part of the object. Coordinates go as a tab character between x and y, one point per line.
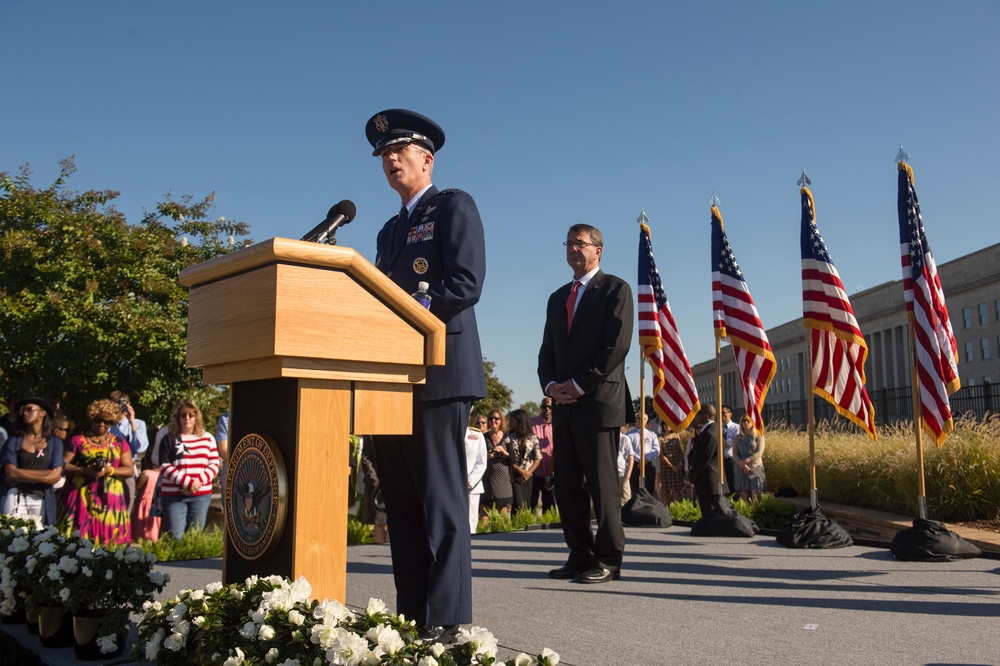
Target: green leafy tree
498	396
531	407
90	303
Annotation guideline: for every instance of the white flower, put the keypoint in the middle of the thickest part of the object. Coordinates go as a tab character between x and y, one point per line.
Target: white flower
107	643
108	574
195	594
481	639
177	613
259	616
296	617
249	630
549	658
350	650
301	590
427	661
387	638
198	621
236	594
325	635
266	632
119	555
183	628
86	571
18	545
156	578
290	662
438	649
31	563
212	588
174	642
151	558
64	594
53	573
46	548
153	644
236	659
522	660
332	611
84	554
271	655
375	606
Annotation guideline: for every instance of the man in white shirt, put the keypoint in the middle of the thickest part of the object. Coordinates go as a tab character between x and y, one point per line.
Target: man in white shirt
648	449
729	432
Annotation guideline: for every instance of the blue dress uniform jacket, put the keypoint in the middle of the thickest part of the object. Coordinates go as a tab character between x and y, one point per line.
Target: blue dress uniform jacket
423	476
443	245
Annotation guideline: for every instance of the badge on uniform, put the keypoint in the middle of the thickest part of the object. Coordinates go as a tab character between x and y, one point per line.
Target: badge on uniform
420	232
419	265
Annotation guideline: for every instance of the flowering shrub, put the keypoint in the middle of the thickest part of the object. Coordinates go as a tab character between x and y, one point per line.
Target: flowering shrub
15	546
273	621
41	567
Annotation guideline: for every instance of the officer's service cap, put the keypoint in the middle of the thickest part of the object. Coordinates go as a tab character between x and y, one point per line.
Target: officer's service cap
395	126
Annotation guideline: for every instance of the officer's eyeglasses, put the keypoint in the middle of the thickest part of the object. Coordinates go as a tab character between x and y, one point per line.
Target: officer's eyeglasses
578	245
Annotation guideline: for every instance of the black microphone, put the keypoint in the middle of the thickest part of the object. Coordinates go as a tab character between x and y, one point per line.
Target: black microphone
338	215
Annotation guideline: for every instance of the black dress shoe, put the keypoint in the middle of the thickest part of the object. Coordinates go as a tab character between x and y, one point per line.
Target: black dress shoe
567	571
437	634
598	575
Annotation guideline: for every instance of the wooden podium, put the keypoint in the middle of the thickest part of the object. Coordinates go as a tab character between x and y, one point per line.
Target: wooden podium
317	344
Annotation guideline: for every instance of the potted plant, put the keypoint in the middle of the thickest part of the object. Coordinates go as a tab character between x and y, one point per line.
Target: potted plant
50	567
107	586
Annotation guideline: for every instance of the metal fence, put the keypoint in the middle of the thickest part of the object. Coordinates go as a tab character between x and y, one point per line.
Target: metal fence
891	406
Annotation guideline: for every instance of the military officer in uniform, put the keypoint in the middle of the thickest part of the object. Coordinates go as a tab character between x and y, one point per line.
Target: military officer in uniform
437	238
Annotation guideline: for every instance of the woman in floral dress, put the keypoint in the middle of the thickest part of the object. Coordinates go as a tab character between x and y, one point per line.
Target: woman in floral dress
748	452
96	462
525	456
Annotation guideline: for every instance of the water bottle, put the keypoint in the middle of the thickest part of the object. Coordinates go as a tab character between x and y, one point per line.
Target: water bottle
421	295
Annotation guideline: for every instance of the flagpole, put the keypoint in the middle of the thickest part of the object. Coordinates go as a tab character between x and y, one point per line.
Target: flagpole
813	489
917	410
642	418
718	416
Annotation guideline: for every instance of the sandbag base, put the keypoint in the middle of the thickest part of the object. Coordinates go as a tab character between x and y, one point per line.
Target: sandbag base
931	541
720	519
811	529
645	510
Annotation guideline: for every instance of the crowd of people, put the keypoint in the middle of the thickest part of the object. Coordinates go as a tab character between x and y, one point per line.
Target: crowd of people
104	479
510	466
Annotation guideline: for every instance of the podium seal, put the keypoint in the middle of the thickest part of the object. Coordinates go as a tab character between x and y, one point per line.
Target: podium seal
256	493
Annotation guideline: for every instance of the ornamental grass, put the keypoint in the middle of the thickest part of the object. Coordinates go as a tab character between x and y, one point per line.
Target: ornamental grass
962	477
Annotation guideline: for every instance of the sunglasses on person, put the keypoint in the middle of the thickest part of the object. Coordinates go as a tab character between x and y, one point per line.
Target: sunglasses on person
104	422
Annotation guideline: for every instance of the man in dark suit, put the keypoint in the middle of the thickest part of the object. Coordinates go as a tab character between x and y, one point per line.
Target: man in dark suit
704	461
581	366
436	238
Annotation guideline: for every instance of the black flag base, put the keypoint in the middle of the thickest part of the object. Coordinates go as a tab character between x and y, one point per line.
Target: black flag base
931	541
645	510
720	519
811	529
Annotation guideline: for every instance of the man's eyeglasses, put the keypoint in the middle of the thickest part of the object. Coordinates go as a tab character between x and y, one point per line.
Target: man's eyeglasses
579	245
544	406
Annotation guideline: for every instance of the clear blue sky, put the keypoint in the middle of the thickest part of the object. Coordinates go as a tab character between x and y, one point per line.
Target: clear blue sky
555	113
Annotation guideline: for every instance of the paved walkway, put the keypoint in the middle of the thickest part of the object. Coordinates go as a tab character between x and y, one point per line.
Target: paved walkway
688	600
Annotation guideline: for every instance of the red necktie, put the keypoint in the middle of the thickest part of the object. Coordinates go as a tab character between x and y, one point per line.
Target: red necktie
571	304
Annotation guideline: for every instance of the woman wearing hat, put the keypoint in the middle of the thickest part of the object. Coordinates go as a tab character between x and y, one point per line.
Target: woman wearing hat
97	462
32	463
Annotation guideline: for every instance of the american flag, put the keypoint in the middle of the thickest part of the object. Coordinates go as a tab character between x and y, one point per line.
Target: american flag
838	347
937	351
736	317
675	397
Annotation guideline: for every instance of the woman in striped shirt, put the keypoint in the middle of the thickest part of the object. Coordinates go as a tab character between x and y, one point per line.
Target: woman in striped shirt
189	463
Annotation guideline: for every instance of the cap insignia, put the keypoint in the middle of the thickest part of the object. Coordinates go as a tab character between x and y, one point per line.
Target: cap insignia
381	123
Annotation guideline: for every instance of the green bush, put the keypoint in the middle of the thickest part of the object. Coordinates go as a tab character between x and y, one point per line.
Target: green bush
196	545
962	477
358	533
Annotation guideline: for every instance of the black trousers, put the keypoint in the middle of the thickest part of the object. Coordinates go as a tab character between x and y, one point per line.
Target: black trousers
424	483
586	466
